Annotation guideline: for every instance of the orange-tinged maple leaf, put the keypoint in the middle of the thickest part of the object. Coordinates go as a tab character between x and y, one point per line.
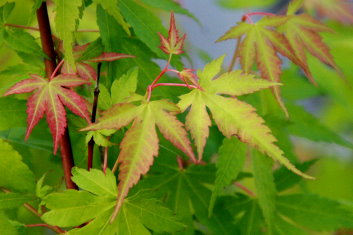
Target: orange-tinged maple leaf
50	98
232	116
340	10
140	143
303	35
173	44
260	43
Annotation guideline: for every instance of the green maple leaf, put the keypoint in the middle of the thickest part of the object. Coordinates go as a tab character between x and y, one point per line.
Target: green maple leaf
186	192
232	116
140	144
315	212
95	204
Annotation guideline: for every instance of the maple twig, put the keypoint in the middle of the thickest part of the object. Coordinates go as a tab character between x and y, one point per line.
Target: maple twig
245	189
150	87
37	29
22	27
53	228
93	118
105	159
56	69
50	65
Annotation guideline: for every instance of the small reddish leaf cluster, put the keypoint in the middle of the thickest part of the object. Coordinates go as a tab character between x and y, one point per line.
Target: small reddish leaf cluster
173	44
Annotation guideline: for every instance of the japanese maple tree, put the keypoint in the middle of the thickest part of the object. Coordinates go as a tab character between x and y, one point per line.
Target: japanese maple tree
166	148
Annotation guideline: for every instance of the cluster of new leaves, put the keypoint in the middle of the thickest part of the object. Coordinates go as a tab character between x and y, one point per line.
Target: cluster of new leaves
291	36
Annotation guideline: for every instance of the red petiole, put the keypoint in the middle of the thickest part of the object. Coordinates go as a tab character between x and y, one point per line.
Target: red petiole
154	84
248	16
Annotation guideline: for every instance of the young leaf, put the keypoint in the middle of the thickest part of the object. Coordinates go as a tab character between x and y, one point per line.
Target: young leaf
14	174
232	116
173	44
67	14
302	32
230	162
140	144
95	181
73	208
125	86
315	212
50	98
261	44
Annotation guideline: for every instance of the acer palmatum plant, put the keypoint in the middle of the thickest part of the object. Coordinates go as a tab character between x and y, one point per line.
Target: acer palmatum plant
178	150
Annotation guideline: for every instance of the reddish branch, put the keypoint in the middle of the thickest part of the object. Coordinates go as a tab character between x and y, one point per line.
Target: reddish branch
54	228
93	118
50	65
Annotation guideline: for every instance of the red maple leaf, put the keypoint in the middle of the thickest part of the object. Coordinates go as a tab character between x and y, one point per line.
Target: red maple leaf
50	97
173	44
85	70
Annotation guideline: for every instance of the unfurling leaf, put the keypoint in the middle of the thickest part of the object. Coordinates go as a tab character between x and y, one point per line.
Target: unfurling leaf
173	44
140	144
232	116
50	98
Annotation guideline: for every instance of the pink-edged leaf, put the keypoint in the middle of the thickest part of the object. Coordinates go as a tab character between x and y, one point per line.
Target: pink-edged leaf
172	129
79	49
137	151
56	117
69	80
197	120
36	106
173	44
86	71
116	117
50	98
110	56
27	85
74	102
